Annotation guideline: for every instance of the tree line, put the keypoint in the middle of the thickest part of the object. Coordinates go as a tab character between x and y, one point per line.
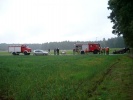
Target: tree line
117	42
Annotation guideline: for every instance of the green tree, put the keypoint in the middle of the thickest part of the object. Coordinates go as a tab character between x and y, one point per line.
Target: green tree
122	17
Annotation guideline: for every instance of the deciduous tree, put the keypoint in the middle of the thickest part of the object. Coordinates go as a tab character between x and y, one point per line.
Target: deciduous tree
122	17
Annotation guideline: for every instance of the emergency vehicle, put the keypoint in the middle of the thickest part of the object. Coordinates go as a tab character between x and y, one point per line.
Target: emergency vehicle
87	47
16	49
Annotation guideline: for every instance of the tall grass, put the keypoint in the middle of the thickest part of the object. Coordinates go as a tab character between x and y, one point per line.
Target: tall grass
51	77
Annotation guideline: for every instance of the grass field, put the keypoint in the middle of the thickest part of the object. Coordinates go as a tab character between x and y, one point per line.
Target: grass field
70	77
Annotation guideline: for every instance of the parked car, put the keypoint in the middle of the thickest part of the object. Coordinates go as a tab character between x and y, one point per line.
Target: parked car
40	52
63	52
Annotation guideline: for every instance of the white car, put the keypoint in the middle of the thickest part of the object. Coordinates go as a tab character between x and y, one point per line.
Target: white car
63	52
40	52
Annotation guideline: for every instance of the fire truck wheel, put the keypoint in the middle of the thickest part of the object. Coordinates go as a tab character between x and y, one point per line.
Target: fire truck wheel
25	53
95	52
82	52
17	54
28	53
14	53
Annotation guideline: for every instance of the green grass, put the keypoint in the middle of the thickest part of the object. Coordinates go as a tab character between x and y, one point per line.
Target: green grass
57	77
118	84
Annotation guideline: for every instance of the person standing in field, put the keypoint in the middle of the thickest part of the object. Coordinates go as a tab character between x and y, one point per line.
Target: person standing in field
86	51
57	51
103	49
49	51
74	51
107	50
54	51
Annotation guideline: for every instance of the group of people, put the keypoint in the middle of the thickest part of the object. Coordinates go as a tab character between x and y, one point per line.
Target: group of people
104	51
56	51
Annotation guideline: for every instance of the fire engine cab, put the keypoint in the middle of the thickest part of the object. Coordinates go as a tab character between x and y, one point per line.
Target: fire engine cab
87	47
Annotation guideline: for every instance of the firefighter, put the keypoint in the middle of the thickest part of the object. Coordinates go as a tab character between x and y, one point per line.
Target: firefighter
103	49
107	50
86	50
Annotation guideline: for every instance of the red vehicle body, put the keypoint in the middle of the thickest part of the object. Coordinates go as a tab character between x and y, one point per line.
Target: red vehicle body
88	47
16	50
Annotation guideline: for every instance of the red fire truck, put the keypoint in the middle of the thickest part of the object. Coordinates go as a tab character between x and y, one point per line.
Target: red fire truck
16	50
87	47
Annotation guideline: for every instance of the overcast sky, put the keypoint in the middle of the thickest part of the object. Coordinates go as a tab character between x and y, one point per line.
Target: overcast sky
40	21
